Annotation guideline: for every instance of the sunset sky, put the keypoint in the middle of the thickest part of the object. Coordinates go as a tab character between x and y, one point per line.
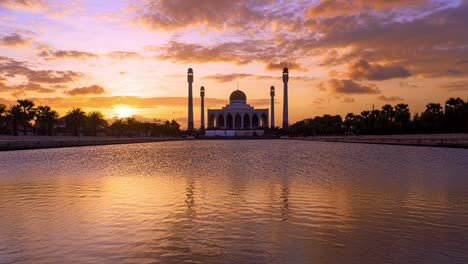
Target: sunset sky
129	57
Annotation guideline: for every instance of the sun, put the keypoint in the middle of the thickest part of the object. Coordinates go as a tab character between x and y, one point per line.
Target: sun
123	111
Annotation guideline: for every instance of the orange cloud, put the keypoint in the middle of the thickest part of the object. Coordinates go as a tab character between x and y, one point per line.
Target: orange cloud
14	40
25	5
12	68
351	87
390	99
235	76
279	66
121	55
327	8
456	86
93	89
218	14
376	72
66	54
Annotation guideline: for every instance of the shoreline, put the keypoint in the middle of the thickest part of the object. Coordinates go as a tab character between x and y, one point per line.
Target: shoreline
421	140
10	143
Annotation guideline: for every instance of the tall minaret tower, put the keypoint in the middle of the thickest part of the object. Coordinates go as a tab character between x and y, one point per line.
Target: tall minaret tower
202	97
272	94
285	101
190	99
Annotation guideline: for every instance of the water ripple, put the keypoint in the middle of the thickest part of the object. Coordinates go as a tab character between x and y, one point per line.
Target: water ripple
234	202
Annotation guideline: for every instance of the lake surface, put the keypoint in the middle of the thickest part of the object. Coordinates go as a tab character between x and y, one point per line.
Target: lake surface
267	201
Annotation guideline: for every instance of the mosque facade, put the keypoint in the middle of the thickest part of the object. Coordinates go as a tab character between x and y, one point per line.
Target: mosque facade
237	115
237	118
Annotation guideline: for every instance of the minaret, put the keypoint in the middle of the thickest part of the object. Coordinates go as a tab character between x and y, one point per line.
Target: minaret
202	97
285	101
190	99
272	94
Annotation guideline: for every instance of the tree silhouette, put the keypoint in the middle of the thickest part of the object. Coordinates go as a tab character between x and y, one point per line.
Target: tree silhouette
402	117
47	118
431	118
76	118
96	119
27	112
3	118
454	114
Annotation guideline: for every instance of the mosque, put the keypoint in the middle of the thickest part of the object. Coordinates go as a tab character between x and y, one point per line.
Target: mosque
237	119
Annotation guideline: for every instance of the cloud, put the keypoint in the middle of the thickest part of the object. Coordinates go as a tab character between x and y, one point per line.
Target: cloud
237	52
66	54
390	99
347	100
456	86
214	14
93	89
107	102
14	40
240	53
279	66
12	68
21	89
121	55
428	44
327	8
376	72
25	5
236	76
228	77
351	87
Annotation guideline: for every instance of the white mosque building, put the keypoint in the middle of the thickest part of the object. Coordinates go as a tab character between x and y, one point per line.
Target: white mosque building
237	119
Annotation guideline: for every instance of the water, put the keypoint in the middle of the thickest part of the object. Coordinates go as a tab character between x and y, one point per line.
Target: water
234	202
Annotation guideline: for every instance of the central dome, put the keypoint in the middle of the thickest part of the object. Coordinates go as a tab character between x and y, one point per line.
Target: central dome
238	95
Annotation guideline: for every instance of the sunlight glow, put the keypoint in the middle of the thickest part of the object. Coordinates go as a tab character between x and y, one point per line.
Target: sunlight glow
122	111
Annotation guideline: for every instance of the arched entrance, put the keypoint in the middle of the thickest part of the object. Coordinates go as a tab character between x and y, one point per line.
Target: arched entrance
211	121
255	121
238	122
229	121
220	123
263	121
246	121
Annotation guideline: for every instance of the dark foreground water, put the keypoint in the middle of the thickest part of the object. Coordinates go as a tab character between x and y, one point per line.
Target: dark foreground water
234	202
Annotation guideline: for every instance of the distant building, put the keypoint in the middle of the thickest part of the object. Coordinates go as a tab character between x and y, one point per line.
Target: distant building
237	117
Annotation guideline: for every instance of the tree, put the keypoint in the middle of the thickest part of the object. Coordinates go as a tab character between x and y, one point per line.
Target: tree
387	114
47	118
431	118
118	127
27	112
453	116
349	118
133	125
366	121
3	118
76	118
402	117
96	119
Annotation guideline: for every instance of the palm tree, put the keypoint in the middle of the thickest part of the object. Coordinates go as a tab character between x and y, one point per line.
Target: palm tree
27	112
133	125
96	119
453	118
387	115
431	118
118	126
76	118
3	117
402	116
47	118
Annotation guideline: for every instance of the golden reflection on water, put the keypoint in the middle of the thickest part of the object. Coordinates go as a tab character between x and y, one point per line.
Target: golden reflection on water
158	202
